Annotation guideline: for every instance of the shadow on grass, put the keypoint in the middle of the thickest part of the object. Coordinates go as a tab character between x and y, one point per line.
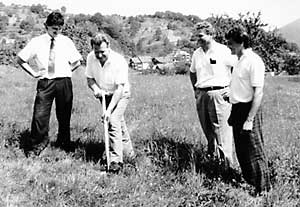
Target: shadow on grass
88	151
177	157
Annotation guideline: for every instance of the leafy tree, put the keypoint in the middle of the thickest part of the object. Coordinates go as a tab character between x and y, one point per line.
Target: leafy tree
186	45
27	24
172	26
81	38
80	18
134	27
140	46
3	23
98	19
268	44
157	34
63	9
37	9
168	47
292	63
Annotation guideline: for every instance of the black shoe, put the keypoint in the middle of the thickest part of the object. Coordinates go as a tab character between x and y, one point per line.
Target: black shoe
115	167
36	150
64	145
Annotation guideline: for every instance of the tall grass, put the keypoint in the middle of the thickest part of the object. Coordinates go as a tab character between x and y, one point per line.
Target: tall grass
171	168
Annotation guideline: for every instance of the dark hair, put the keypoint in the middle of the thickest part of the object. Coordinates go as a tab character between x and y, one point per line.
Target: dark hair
239	35
206	27
55	19
98	39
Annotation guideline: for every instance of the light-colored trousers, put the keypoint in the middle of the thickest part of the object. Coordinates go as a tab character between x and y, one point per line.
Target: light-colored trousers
213	112
119	138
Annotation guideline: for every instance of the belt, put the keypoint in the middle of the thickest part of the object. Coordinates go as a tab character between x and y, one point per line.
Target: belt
211	88
59	78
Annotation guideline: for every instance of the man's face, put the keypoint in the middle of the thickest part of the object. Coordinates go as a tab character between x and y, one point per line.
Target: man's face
101	51
235	47
203	39
54	30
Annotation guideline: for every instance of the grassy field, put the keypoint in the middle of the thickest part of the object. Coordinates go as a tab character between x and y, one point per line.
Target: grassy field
170	168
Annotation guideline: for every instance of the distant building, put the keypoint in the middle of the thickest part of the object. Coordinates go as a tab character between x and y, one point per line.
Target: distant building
140	62
6	40
181	55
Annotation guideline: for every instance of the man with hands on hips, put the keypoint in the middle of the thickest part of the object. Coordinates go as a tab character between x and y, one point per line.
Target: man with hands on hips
56	56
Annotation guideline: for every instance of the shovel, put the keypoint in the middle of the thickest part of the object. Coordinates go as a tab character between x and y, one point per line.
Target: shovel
106	136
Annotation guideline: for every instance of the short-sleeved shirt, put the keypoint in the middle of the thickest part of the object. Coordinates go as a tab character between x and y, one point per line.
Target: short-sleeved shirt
212	68
111	74
64	50
249	72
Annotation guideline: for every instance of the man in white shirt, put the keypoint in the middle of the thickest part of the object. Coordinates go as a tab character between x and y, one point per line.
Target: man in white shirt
57	57
107	73
246	116
210	74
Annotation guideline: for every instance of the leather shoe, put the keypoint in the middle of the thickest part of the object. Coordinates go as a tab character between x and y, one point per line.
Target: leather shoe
115	167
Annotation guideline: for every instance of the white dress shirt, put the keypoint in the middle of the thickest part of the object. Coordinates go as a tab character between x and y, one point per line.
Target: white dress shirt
65	54
111	74
213	68
249	72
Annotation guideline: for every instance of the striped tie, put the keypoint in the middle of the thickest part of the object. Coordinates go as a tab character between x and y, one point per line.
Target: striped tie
51	64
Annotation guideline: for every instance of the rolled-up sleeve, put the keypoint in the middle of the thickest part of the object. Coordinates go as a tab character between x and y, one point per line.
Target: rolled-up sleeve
88	69
28	51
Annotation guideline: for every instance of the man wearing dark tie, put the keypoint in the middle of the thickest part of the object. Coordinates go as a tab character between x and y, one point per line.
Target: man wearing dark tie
57	57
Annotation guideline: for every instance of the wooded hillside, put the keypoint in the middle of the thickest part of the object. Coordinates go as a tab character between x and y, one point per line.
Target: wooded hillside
156	35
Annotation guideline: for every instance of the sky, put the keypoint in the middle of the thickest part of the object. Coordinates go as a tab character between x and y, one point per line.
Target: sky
276	13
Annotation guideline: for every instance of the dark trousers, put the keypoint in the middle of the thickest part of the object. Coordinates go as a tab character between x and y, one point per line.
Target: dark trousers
249	146
59	89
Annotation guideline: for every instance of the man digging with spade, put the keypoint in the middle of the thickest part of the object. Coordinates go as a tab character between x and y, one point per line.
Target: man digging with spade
107	76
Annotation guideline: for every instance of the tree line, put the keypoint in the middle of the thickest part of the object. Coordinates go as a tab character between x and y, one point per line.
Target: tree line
278	54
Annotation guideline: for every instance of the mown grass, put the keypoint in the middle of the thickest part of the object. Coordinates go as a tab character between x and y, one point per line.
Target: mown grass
170	168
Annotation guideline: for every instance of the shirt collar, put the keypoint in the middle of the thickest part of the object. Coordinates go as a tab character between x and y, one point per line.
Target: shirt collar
49	37
246	53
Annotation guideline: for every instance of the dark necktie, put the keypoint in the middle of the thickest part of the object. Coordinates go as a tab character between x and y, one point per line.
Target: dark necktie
51	65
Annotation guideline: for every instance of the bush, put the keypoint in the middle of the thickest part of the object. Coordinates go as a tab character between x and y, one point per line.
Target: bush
181	67
292	64
27	25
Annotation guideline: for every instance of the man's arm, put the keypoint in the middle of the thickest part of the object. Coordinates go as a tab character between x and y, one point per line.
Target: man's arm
25	66
116	97
94	87
75	65
193	78
257	98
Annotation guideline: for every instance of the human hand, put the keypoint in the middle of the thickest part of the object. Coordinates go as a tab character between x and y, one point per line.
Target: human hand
248	125
39	73
196	93
106	115
98	92
225	96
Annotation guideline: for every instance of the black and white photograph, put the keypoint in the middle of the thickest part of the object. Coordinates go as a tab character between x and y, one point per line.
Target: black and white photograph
149	103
